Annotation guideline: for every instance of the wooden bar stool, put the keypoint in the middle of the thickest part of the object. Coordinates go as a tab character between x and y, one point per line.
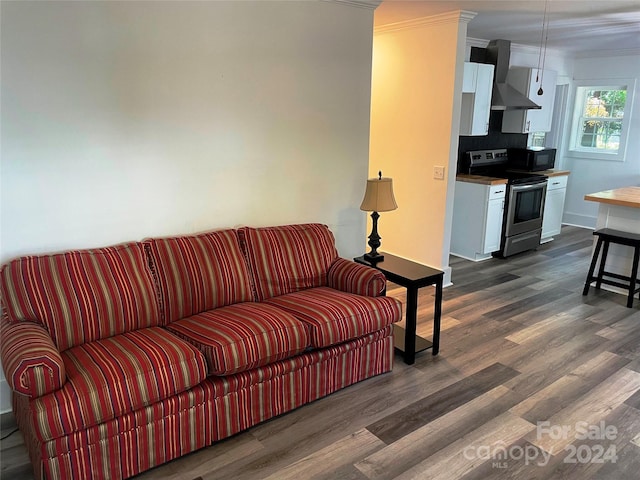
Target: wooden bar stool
607	236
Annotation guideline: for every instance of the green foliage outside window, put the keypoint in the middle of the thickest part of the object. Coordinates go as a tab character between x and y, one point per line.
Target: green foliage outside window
601	120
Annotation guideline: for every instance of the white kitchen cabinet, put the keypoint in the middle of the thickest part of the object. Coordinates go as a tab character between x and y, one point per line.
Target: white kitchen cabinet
553	207
477	220
477	84
524	80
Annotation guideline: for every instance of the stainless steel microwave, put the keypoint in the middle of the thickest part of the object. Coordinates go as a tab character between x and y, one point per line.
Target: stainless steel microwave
532	160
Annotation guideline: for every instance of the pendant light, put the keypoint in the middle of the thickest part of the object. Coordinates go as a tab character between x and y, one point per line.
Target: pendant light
544	35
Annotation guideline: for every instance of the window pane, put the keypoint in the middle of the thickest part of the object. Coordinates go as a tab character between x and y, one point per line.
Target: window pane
600	124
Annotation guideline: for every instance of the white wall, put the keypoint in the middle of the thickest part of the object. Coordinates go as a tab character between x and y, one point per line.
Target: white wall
591	176
122	120
415	117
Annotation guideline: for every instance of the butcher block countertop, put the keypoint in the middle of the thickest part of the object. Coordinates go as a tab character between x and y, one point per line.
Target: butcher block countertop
482	180
463	177
548	173
555	173
624	197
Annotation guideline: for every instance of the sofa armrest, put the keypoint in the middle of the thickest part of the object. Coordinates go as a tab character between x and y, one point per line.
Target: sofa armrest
32	363
356	278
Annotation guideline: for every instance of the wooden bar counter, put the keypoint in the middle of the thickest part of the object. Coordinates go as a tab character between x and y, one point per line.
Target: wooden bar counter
623	197
619	209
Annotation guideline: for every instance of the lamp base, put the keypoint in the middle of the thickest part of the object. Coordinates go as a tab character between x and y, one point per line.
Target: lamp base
373	257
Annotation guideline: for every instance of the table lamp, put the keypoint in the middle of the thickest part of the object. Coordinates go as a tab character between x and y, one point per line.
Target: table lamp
378	197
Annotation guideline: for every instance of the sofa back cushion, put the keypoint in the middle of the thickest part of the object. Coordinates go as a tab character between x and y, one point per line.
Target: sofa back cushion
83	295
196	273
288	258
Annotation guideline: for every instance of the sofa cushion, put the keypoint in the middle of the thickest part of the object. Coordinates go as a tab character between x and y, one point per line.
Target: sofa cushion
115	375
288	258
243	336
84	295
335	316
196	273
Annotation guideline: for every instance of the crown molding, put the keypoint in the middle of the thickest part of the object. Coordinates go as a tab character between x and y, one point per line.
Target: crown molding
477	42
368	4
623	52
457	16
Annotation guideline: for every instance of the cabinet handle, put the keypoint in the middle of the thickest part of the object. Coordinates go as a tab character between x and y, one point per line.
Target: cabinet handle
555	183
500	191
528	125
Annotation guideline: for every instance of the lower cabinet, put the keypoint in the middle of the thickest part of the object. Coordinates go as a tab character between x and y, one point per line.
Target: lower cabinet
477	220
553	207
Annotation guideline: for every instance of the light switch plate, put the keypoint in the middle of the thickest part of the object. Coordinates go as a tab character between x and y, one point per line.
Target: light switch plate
438	172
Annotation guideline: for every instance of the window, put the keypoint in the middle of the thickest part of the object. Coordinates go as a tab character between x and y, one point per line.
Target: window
536	139
599	122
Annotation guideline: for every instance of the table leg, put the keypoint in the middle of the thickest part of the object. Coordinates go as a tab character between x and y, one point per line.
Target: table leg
410	327
437	314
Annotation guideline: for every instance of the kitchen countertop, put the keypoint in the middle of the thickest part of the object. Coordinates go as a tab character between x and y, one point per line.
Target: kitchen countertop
548	173
555	173
624	197
463	177
481	179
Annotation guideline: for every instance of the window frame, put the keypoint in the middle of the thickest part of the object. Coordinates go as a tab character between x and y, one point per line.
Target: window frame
575	150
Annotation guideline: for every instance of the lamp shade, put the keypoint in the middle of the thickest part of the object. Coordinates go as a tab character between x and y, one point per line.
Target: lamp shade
379	196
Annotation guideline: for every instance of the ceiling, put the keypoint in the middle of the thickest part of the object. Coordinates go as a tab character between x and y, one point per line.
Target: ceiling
575	26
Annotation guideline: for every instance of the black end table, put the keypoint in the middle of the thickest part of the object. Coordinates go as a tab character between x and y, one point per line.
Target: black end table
412	276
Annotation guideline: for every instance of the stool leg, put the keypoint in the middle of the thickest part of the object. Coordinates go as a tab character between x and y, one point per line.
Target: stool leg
592	267
603	262
634	275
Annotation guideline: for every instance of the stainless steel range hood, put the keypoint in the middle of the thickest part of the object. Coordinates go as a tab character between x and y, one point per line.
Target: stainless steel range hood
504	96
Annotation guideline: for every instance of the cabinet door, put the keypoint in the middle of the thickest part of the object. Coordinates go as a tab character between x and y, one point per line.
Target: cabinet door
469	77
482	103
540	120
553	209
493	228
477	86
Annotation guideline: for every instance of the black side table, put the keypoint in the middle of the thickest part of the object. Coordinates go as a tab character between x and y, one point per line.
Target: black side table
412	276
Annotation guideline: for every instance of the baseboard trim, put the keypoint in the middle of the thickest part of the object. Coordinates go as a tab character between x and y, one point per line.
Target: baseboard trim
7	421
579	220
5	397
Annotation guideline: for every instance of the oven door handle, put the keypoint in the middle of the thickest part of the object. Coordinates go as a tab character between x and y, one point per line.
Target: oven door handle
531	186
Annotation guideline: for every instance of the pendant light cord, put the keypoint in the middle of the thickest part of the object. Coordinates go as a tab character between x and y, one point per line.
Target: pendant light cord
543	40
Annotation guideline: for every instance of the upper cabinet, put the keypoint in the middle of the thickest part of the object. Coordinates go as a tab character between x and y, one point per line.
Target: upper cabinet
477	84
524	80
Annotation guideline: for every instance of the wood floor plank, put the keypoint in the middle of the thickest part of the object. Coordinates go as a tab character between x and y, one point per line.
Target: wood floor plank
463	455
542	366
427	409
205	461
525	305
471	361
621	465
590	408
325	462
420	444
550	400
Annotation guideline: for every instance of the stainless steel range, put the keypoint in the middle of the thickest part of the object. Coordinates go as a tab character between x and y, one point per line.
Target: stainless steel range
524	201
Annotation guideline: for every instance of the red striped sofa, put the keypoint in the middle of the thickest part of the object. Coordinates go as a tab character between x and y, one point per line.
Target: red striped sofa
125	357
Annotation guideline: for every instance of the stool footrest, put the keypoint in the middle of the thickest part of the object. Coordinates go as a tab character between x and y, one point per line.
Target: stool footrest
607	236
613	283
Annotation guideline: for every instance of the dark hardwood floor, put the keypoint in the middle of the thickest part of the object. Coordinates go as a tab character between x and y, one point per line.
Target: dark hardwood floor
533	381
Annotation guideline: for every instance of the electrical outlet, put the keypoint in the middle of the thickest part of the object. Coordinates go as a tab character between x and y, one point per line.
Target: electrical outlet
438	172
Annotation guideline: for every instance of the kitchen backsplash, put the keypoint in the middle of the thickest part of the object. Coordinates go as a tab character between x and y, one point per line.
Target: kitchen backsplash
494	139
